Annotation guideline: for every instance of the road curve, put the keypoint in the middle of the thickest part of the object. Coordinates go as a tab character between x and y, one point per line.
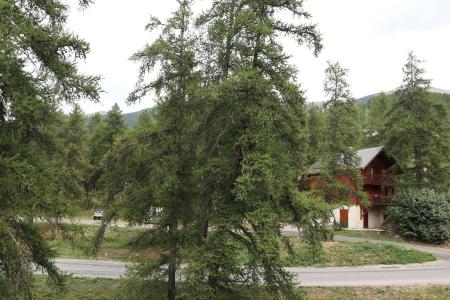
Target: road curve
437	272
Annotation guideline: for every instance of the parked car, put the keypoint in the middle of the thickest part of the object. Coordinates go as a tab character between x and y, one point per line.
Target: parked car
98	214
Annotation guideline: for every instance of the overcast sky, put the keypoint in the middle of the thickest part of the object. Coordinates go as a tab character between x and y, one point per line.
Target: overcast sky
370	38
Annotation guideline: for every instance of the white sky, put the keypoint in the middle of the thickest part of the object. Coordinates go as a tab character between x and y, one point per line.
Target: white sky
370	38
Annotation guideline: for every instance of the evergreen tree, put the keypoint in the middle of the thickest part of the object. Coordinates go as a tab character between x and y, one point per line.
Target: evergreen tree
417	131
103	135
114	126
340	160
378	107
93	123
254	143
159	187
316	133
74	141
38	71
227	152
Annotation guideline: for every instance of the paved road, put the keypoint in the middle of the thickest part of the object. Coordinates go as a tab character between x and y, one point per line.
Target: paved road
437	272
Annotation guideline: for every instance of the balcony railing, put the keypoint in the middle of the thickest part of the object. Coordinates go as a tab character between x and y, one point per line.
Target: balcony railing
377	200
378	179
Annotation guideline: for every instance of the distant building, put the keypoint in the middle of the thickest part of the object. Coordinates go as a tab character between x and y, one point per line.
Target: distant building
378	170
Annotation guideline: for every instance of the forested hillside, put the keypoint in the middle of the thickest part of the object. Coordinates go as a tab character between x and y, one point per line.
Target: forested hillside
132	118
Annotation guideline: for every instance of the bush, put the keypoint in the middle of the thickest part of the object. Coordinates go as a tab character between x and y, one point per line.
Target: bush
422	215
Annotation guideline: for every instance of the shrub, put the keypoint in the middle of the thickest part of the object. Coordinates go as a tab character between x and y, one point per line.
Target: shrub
422	215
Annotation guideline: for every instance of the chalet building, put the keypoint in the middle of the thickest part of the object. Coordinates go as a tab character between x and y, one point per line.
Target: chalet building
377	169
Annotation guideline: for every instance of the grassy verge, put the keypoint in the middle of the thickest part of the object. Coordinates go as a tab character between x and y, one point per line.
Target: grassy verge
99	289
117	242
436	292
339	254
369	235
77	288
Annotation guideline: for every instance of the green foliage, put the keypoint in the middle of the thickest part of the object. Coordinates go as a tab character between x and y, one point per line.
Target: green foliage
149	178
316	215
216	171
73	137
422	215
103	133
342	134
378	108
417	131
316	132
38	71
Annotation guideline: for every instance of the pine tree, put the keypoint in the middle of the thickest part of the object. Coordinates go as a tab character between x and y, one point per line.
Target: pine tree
38	71
74	141
417	131
103	135
254	142
93	123
378	107
154	184
114	126
342	134
316	133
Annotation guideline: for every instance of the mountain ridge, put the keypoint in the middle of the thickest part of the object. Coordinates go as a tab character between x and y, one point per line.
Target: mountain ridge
132	118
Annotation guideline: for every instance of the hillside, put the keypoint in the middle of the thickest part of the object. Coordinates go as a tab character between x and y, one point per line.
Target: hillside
132	118
439	93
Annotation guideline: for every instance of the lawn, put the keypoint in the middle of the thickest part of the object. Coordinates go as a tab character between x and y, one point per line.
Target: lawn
372	235
340	254
116	246
99	289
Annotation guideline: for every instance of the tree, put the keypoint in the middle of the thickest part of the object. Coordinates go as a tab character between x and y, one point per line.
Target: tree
316	133
38	62
342	134
254	143
225	152
378	108
74	141
159	185
417	131
93	123
114	126
103	135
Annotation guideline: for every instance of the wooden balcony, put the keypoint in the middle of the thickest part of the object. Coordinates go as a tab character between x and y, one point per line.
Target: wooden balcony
378	179
377	200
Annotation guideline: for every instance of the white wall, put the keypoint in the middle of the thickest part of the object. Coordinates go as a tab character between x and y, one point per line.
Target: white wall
376	217
354	216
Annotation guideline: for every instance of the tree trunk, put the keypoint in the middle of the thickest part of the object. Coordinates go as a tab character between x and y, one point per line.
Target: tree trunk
171	286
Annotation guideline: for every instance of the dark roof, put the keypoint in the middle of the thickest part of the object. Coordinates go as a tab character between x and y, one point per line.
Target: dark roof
365	156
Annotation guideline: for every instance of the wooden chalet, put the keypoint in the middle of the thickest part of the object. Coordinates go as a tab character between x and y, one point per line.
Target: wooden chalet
378	170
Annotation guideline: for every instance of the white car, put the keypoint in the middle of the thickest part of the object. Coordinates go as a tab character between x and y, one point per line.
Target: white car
98	214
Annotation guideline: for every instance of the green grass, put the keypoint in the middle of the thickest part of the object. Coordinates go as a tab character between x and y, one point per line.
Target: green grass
430	292
340	254
100	289
115	246
77	288
369	235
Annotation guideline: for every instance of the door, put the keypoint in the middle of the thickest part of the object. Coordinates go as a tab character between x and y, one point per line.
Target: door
366	218
343	218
